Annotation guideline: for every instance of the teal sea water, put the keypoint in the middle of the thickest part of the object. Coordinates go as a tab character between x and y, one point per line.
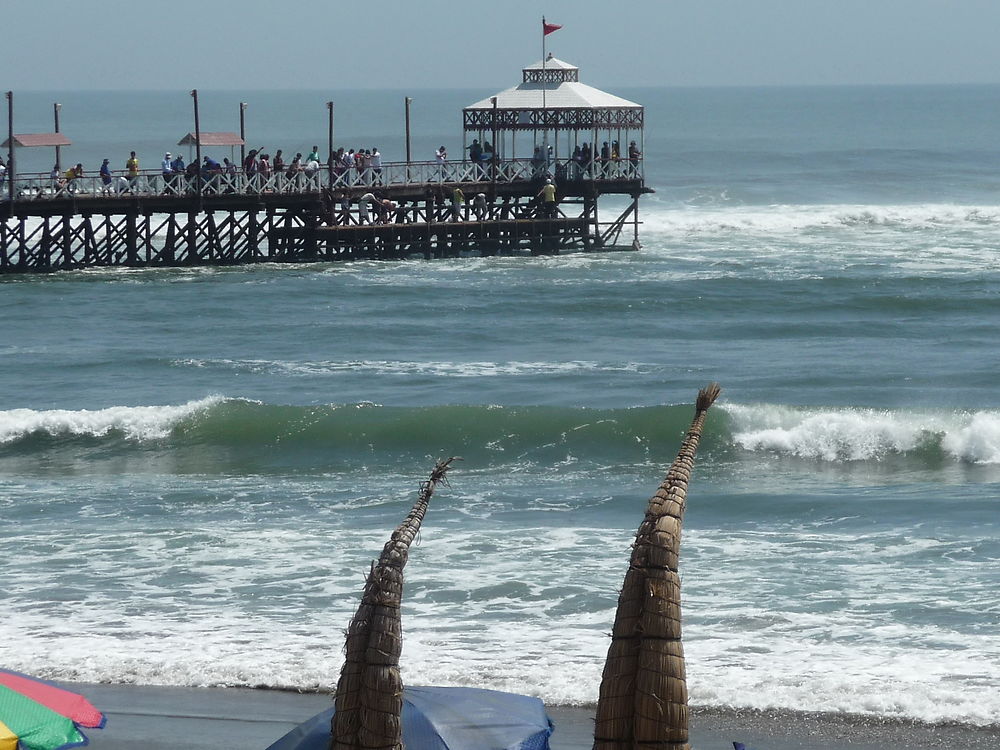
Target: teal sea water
197	465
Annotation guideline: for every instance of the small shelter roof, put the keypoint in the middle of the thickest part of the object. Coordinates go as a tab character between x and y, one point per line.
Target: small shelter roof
30	140
211	139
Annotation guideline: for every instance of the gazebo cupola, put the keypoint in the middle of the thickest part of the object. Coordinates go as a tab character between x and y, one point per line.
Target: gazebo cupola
555	108
553	71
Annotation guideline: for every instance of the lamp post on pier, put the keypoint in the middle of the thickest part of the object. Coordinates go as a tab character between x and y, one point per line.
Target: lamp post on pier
329	131
55	116
329	143
11	172
197	143
243	134
407	101
496	148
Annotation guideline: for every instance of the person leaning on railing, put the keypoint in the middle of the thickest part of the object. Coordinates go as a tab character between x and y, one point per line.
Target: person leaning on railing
72	175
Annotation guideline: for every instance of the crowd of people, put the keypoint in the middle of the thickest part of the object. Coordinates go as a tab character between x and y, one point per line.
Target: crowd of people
261	171
353	167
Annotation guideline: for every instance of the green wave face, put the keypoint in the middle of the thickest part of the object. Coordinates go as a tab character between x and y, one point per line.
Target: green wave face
234	435
238	433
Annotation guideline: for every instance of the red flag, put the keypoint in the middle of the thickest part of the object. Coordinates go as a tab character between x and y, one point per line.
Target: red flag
548	28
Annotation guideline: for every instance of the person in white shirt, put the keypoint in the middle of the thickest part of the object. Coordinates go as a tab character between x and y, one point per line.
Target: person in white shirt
363	202
167	170
441	157
349	166
375	164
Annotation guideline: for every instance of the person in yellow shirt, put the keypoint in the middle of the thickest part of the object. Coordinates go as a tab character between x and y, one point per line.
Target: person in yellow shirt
72	175
132	168
548	197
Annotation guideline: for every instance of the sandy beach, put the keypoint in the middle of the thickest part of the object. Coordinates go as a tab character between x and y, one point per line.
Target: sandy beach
161	718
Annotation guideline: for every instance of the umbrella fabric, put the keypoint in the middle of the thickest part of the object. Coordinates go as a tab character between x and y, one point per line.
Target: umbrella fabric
440	718
69	704
36	726
8	740
35	715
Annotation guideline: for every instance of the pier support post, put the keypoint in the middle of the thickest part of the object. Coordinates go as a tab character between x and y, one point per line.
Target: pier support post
253	236
22	245
635	222
191	233
43	260
309	239
67	242
131	240
213	244
272	249
4	257
169	253
89	242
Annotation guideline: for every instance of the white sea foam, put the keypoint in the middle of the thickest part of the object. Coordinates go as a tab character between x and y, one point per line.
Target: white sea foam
238	592
399	367
798	219
803	241
831	621
135	422
853	434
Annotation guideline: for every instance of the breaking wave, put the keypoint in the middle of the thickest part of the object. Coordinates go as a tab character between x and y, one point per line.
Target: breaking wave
497	434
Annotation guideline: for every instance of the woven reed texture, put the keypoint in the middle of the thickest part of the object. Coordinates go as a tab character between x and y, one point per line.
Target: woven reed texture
643	697
369	697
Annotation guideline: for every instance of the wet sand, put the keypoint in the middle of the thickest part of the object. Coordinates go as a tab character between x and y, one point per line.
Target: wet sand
162	718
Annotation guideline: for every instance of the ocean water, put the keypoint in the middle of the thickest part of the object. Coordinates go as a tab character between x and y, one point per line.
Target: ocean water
198	465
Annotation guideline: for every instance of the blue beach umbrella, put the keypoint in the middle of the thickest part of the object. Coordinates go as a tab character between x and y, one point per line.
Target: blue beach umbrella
448	718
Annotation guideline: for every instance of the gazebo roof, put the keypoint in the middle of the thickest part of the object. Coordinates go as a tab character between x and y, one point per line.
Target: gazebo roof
553	84
551	96
564	95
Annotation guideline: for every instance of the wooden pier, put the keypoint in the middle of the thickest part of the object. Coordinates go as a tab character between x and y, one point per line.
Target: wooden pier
486	204
238	220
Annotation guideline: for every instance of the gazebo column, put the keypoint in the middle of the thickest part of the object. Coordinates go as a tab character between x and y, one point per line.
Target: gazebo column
594	153
642	151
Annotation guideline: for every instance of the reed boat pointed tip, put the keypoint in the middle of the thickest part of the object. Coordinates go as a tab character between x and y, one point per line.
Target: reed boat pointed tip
707	396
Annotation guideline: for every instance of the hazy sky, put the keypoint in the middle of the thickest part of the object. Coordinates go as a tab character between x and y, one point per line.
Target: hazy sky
329	44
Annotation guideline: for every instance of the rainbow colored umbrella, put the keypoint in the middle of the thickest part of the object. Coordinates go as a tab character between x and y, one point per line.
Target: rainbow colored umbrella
37	715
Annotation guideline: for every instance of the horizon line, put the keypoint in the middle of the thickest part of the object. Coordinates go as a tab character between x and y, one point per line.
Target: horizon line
366	89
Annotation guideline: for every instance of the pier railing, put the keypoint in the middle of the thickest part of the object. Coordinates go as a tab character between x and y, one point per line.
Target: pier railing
31	187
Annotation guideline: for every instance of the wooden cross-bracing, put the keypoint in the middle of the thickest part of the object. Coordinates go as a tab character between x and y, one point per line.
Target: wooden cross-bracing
431	221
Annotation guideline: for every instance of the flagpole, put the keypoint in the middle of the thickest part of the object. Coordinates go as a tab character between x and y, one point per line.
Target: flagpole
545	132
543	62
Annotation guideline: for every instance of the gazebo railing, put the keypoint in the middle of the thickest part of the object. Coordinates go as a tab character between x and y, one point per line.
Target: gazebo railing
37	186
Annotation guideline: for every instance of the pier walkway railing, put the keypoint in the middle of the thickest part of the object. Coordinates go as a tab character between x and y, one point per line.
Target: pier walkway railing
40	187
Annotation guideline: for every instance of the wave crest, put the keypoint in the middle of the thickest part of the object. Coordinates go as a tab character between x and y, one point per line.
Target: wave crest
132	422
856	434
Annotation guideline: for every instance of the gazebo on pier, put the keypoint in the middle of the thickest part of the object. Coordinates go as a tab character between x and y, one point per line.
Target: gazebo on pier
548	123
553	108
